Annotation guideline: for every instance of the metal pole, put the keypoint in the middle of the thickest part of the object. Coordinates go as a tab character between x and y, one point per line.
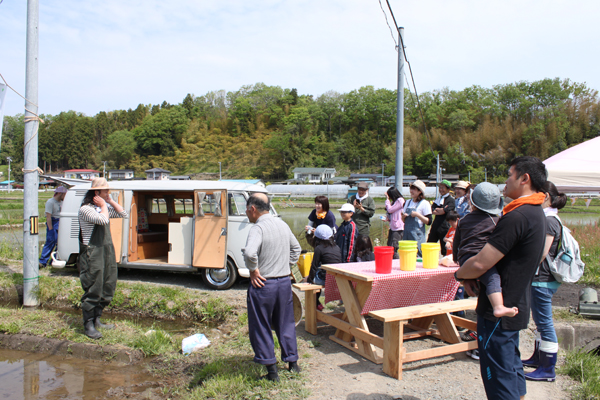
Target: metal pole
104	170
485	170
382	172
30	177
220	170
437	177
400	116
9	185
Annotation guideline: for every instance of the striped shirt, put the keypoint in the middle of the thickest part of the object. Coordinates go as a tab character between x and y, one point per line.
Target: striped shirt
90	215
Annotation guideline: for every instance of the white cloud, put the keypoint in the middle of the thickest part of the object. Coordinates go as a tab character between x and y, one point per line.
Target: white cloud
114	55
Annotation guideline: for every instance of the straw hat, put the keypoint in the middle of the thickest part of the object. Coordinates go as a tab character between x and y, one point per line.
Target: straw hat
462	185
487	198
419	185
99	184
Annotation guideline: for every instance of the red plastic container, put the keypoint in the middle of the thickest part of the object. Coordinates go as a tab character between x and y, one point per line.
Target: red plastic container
383	259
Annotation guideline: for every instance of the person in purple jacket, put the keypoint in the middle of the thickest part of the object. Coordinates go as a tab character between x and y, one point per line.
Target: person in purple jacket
394	206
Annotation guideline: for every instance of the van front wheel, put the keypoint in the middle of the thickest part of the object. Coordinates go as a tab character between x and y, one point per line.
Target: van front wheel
221	278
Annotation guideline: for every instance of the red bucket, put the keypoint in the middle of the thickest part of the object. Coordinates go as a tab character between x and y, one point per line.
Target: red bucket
383	259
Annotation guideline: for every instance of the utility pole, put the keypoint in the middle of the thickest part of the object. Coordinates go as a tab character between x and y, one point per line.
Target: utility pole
485	170
104	170
400	114
219	170
382	169
30	176
9	184
437	176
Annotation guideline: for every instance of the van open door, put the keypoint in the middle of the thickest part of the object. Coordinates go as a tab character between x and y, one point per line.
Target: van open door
210	228
116	224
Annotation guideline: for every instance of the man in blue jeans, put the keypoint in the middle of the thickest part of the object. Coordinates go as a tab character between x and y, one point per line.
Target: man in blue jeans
271	248
52	211
515	248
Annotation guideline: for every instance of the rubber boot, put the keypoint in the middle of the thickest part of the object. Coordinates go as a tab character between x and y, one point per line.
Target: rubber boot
97	323
545	371
294	367
272	374
88	326
534	360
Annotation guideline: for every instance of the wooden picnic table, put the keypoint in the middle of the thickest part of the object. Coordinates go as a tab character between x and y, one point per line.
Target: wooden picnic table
414	299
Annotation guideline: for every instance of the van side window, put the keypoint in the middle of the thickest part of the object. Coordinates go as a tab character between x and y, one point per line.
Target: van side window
208	204
159	206
184	206
237	204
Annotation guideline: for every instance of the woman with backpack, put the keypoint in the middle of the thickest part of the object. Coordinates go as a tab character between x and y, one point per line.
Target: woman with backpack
542	289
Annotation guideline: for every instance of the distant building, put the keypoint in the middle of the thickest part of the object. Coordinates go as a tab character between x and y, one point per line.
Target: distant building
81	174
453	178
179	178
313	175
4	185
157	174
406	180
120	174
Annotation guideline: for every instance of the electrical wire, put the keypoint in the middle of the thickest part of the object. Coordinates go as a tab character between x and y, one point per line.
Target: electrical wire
411	76
388	24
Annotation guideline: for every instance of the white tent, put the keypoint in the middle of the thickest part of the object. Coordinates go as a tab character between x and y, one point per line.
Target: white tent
576	169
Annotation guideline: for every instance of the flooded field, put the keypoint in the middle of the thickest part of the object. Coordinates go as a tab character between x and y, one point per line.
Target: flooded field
31	376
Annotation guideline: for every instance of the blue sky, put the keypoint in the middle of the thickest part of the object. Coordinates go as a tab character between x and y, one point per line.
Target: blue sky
113	54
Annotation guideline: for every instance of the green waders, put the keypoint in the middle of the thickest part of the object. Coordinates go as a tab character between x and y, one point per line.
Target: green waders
98	276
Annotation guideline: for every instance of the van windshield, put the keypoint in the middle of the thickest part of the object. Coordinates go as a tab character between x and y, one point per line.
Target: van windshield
272	210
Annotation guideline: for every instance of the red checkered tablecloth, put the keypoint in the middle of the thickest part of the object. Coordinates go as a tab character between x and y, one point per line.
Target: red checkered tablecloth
399	288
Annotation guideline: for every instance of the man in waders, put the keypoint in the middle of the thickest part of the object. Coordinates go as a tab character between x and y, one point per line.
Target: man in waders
97	263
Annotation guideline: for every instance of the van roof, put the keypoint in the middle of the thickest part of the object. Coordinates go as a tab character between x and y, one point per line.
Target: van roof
176	185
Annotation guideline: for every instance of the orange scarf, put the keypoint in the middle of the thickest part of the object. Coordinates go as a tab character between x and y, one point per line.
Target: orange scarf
536	198
321	215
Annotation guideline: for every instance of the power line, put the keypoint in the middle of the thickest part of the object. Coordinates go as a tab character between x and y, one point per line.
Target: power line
386	21
411	75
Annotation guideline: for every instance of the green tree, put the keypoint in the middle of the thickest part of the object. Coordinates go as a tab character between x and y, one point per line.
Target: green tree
121	147
161	134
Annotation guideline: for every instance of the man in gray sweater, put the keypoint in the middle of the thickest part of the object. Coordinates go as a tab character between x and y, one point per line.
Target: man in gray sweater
271	248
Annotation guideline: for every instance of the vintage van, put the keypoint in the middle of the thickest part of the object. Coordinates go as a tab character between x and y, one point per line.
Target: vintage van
188	226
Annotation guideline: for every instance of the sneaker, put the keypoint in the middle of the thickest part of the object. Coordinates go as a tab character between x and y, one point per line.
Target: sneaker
474	354
41	266
468	336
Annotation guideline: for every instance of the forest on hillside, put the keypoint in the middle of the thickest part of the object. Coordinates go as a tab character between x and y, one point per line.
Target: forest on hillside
265	131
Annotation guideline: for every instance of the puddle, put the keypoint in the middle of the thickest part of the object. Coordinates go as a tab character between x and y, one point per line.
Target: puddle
29	376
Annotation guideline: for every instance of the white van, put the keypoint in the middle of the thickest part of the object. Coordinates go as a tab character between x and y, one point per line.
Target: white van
172	226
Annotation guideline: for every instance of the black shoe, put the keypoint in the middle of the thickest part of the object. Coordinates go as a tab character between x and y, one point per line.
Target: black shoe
97	323
272	374
88	326
294	367
468	336
42	266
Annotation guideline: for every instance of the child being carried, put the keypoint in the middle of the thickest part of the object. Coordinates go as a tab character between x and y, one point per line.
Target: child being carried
472	234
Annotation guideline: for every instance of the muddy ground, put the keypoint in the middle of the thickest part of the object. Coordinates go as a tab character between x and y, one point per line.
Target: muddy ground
337	373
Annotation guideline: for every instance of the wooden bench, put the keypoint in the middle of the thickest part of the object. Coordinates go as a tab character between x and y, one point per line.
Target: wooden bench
420	318
310	305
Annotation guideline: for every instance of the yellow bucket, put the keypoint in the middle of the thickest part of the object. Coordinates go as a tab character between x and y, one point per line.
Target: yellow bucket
408	259
431	255
304	263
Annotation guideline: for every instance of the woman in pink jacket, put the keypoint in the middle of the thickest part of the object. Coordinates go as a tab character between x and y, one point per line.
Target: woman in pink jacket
394	206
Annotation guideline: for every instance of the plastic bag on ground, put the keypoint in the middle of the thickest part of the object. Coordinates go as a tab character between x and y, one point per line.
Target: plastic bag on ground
194	343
